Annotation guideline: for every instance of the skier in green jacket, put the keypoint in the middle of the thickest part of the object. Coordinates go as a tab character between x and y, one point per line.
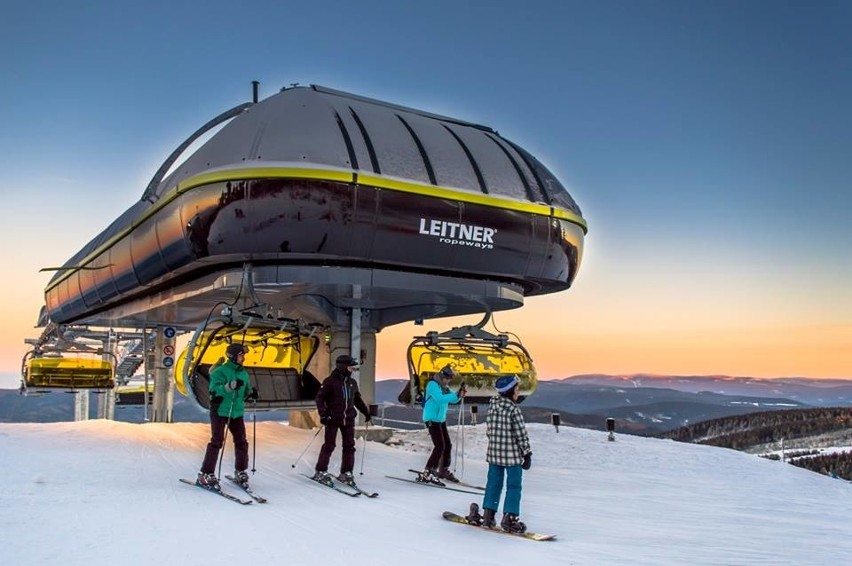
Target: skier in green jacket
229	388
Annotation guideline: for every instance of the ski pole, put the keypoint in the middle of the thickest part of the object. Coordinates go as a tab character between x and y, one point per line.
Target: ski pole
364	450
225	438
293	465
462	441
253	435
458	431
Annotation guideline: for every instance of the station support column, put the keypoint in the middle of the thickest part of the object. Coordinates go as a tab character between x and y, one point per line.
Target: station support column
360	343
106	401
164	361
81	405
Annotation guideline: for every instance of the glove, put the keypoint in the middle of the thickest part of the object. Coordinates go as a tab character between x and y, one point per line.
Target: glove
252	395
527	461
368	419
234	385
216	400
325	419
462	391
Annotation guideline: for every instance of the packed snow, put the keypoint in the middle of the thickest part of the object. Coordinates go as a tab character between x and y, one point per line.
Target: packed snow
104	492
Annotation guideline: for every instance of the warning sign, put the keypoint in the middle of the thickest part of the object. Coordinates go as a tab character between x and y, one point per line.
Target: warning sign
169	350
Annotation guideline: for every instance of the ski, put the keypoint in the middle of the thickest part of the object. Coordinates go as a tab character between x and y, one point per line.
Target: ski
357	488
460	483
249	491
452	517
224	494
333	486
447	487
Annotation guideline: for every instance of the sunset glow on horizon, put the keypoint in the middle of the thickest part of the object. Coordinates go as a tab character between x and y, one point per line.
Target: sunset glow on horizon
706	145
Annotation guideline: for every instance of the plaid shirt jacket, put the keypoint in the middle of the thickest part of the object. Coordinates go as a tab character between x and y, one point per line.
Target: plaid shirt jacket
508	441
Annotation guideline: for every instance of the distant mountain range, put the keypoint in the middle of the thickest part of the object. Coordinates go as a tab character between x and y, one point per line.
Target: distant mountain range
667	402
641	404
648	404
816	392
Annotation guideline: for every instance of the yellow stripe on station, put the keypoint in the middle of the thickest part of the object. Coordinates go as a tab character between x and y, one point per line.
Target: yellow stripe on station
453	194
335	175
377	181
262	173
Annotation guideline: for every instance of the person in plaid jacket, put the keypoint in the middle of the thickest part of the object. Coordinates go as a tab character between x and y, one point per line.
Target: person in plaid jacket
508	455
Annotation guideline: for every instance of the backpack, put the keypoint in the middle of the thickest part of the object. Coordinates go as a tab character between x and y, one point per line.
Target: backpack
404	397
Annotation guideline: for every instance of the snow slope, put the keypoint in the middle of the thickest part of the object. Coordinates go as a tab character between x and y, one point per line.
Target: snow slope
103	492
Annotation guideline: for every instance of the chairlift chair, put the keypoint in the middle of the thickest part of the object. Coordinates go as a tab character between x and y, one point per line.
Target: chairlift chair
479	358
276	358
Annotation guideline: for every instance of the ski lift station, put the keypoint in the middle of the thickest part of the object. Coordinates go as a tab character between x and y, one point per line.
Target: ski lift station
307	223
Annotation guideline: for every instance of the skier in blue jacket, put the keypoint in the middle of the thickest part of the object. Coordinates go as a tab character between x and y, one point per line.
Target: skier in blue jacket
436	400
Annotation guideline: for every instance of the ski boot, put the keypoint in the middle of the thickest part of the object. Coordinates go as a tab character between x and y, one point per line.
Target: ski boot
347	478
511	524
488	518
474	518
209	481
429	476
446	474
323	478
242	478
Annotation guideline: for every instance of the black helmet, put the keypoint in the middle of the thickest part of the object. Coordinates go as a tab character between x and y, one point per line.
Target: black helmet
234	350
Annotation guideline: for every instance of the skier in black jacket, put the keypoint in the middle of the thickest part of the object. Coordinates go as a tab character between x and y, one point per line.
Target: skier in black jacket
337	400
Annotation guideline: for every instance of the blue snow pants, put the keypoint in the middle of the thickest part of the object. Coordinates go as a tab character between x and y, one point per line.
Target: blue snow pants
494	487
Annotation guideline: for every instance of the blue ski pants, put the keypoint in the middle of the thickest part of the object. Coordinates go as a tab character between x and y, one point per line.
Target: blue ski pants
494	487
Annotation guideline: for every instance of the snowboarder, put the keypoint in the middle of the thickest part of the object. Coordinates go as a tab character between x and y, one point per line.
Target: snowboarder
229	383
508	454
337	399
437	398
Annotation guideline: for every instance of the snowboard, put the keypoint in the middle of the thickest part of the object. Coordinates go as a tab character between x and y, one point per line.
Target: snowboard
450	516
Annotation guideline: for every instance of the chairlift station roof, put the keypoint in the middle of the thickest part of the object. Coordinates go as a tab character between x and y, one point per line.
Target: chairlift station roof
317	201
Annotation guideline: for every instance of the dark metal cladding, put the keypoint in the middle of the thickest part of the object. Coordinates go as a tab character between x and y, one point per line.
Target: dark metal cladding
445	216
320	126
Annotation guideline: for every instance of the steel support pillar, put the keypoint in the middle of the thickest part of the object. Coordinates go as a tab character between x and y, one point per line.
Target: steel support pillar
106	400
81	405
164	361
361	345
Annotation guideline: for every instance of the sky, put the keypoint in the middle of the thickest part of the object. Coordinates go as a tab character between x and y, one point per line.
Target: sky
707	144
104	492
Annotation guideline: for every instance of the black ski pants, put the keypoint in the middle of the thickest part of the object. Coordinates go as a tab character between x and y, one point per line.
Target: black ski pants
347	462
439	459
237	427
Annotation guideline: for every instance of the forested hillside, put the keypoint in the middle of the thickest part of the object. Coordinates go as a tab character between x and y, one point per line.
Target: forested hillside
834	464
743	431
803	432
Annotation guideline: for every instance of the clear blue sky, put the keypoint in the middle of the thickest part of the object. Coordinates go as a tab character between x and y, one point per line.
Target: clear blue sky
707	143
